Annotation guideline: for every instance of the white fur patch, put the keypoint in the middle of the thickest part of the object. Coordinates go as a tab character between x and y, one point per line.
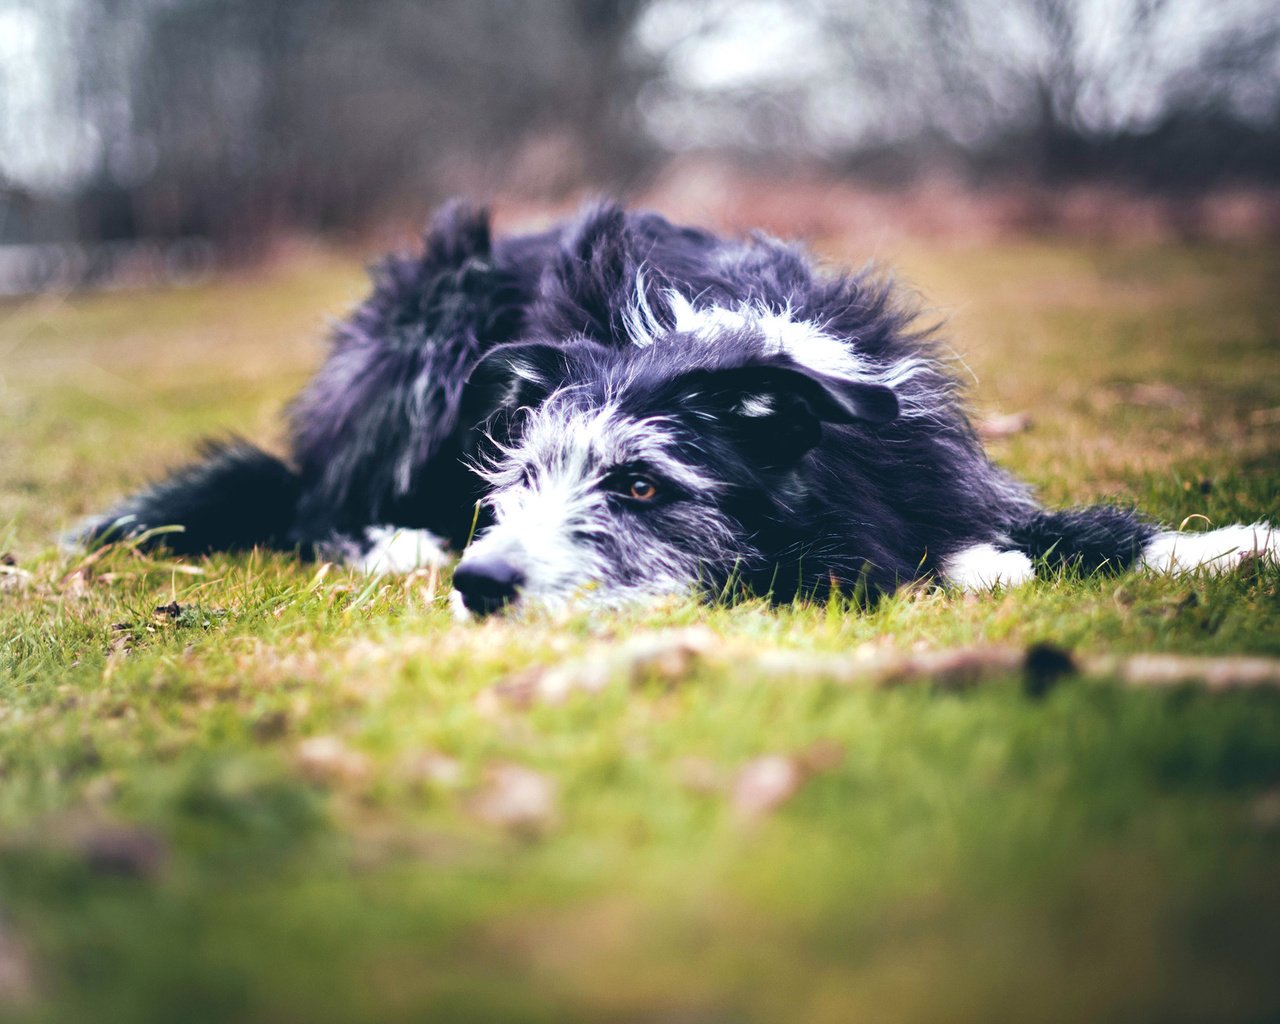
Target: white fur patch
985	567
802	340
756	405
395	550
1215	551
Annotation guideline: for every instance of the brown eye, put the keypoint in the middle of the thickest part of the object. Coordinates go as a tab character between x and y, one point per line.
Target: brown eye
642	489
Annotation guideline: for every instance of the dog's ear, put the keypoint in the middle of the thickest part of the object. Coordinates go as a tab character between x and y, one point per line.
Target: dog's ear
509	378
592	279
777	408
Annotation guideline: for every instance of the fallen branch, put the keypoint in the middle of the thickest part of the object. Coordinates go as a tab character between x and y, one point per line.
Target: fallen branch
670	657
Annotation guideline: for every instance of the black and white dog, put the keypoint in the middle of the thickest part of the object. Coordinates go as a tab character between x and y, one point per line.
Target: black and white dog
640	409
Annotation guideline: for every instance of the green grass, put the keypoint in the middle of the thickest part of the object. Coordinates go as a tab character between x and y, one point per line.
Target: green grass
172	848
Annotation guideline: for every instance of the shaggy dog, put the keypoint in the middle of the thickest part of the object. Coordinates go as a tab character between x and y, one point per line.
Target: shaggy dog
640	409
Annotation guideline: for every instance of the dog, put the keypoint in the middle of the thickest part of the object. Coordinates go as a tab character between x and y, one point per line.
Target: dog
618	409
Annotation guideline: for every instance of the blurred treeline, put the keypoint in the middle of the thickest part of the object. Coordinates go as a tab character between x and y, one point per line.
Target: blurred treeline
234	120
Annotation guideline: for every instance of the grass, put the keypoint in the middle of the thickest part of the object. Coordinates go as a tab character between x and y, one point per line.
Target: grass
295	799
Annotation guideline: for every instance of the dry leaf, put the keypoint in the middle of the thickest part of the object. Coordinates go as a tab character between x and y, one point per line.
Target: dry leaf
1266	811
765	783
326	759
1156	394
700	775
994	428
516	798
122	850
17	981
11	577
667	656
431	769
822	755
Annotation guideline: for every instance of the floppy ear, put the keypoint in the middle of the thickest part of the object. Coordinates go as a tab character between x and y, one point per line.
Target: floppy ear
508	378
777	409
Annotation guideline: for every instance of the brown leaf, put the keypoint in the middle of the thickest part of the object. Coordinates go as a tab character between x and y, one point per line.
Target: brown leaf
667	656
326	760
11	577
270	725
516	798
428	768
519	692
822	755
125	850
995	428
17	977
700	775
1265	811
76	584
1156	394
765	783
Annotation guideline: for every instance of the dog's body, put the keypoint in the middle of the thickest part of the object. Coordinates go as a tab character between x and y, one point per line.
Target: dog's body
640	408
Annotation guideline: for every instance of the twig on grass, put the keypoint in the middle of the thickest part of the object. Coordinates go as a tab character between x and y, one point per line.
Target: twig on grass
672	656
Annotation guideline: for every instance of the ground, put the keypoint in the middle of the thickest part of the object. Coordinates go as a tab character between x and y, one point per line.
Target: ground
245	789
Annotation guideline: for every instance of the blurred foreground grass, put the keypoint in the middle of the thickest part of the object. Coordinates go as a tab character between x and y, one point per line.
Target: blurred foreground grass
298	796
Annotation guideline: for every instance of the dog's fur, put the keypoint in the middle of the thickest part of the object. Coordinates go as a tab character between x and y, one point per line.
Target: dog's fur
639	409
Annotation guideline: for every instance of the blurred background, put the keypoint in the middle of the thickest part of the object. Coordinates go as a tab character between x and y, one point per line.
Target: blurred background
161	138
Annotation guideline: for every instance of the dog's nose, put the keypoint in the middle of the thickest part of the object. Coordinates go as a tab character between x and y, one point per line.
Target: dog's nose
487	583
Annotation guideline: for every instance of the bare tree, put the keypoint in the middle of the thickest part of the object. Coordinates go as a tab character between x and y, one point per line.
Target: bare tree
230	118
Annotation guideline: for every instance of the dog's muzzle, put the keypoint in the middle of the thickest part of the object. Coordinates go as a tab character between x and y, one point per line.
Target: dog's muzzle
487	583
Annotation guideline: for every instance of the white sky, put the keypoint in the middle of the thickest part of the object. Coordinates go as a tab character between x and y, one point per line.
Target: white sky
712	50
41	143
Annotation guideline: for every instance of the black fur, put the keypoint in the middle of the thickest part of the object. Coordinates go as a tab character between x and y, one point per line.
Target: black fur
236	498
866	482
1091	538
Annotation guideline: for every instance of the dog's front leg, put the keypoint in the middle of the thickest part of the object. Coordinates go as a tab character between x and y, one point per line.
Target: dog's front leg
383	549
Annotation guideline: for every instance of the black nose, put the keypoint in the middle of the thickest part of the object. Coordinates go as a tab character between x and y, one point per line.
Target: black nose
487	583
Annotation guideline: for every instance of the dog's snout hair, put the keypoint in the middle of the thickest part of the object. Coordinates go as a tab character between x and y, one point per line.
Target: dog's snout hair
565	516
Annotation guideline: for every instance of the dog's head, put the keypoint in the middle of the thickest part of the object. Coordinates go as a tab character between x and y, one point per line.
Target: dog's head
624	473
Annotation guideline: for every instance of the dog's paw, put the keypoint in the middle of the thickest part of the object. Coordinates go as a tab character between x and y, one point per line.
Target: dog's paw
390	549
1216	551
93	532
985	567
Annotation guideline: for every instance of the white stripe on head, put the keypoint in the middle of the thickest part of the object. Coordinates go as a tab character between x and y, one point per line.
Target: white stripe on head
643	325
804	341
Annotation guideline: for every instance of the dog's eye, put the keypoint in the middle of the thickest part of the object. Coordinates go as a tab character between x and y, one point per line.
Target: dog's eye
642	488
636	484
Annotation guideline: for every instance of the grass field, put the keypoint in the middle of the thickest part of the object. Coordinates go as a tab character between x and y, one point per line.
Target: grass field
302	796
